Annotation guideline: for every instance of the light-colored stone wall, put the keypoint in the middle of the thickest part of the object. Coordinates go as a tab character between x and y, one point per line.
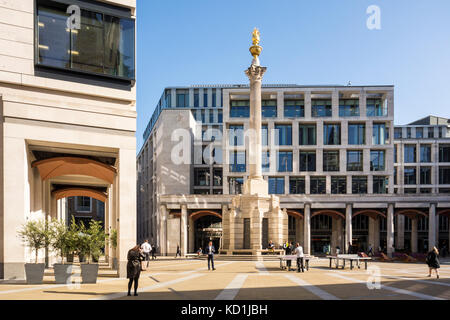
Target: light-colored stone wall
54	115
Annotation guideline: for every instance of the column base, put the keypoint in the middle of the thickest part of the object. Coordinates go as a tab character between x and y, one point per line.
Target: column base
122	269
256	186
12	271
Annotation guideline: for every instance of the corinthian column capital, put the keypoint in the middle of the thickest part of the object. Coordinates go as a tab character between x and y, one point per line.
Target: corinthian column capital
255	73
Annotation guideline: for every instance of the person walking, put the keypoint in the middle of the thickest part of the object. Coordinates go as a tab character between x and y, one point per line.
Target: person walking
146	249
154	252
370	251
300	257
178	251
288	253
433	261
210	250
134	268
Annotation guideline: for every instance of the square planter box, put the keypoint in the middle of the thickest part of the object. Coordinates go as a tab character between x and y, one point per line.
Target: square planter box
89	273
63	273
34	272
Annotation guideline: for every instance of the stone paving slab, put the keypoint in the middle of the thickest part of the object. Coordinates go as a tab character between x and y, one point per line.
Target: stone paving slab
168	279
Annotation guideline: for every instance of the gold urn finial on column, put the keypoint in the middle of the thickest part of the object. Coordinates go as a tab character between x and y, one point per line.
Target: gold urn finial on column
256	49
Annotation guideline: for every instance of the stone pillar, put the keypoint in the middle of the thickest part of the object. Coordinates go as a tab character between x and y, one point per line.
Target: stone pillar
107	230
334	235
376	241
348	227
432	226
390	229
372	232
299	237
307	229
184	230
191	236
126	212
437	230
255	184
340	234
400	243
414	241
163	230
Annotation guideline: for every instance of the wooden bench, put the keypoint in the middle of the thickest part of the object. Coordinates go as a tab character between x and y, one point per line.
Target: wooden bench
192	255
274	251
348	257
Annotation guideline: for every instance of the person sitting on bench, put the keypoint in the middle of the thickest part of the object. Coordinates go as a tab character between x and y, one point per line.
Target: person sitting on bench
300	257
271	247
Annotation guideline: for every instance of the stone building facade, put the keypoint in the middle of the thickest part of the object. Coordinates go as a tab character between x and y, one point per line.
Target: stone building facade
328	154
67	102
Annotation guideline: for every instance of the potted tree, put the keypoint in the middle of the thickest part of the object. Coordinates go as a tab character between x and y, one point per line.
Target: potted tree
62	242
113	243
92	241
35	234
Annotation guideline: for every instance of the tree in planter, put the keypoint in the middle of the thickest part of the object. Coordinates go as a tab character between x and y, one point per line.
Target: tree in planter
97	239
36	235
60	239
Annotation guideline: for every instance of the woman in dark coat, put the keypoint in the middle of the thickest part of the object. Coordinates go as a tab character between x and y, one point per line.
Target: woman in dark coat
433	261
135	257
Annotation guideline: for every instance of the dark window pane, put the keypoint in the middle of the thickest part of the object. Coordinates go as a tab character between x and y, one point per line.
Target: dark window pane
330	161
349	108
331	134
318	185
294	108
354	161
307	161
356	134
297	185
338	185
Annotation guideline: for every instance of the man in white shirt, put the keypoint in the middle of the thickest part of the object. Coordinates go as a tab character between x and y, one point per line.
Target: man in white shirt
300	257
146	249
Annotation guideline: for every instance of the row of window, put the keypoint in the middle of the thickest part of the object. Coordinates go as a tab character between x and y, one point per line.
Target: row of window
411	177
398	133
307	134
307	161
317	185
410	153
201	116
319	108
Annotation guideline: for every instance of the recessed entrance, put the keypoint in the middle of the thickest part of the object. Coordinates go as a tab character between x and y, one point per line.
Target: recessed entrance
208	228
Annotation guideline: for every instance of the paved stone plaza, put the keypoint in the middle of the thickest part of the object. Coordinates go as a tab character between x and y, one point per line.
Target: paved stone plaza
243	280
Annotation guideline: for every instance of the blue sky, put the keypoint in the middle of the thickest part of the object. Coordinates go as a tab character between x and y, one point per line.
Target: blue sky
184	42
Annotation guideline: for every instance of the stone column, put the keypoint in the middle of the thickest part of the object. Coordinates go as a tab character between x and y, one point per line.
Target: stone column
307	229
163	230
340	233
184	230
348	227
400	243
191	236
334	235
372	223
255	184
376	242
390	229
126	206
414	242
432	226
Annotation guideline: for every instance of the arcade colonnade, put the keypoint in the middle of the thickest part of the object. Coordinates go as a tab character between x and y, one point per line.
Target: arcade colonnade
177	225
